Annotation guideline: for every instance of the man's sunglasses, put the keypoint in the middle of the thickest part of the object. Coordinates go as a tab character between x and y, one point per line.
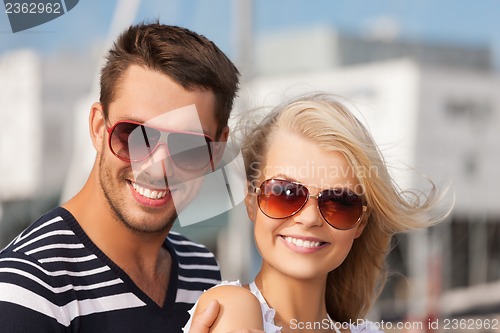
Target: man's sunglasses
279	199
133	141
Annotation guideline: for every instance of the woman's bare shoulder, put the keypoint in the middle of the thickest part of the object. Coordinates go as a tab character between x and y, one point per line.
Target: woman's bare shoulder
239	308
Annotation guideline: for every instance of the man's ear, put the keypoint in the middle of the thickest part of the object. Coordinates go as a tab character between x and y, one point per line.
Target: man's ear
224	134
97	126
219	146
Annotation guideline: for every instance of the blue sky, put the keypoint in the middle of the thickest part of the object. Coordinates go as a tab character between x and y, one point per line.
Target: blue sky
461	21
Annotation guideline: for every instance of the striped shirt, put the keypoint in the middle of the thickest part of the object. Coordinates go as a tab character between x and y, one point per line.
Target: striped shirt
53	278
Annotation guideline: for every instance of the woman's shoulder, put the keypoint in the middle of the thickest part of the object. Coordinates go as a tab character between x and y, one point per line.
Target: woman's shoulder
231	293
239	307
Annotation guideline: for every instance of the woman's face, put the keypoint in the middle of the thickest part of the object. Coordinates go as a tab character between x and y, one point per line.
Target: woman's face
303	246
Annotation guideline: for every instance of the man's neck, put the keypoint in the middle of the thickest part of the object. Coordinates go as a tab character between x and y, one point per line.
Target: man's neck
140	255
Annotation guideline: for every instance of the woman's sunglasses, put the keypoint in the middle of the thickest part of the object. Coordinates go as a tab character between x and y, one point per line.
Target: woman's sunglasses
279	199
133	141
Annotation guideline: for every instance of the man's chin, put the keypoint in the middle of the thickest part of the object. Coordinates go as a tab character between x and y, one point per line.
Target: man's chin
150	228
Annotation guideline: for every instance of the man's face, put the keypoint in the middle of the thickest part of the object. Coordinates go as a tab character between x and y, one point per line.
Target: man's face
140	192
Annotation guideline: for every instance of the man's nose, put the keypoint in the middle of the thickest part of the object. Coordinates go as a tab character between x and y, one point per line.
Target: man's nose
158	165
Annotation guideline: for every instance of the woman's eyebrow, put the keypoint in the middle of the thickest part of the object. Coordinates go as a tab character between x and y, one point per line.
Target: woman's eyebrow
285	177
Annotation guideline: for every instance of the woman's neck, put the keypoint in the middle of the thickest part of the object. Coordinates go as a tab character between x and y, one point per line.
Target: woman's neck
296	302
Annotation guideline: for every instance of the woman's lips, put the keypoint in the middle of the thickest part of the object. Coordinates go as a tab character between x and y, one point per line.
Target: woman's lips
304	244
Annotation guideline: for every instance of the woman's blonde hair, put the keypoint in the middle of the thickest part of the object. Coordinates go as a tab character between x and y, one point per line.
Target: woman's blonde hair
324	120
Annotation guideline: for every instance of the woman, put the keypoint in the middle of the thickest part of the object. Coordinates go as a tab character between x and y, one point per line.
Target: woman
324	209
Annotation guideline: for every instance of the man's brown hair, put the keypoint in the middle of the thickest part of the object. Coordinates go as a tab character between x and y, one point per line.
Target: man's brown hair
188	58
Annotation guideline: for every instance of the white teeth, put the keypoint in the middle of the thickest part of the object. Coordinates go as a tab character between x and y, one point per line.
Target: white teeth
302	243
145	192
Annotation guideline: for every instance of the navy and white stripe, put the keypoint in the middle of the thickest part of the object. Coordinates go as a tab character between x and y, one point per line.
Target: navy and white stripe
198	269
54	274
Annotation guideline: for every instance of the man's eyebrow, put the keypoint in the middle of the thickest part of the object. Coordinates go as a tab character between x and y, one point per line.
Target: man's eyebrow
125	118
145	123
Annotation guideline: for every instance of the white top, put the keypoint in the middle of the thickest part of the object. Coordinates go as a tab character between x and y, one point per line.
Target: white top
269	313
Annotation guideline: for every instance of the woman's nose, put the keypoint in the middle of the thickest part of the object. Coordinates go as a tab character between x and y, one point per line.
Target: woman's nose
309	215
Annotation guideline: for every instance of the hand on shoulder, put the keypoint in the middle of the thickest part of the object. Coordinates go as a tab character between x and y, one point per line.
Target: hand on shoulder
239	309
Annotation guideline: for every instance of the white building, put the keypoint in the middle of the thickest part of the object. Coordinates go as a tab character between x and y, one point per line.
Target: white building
38	96
20	131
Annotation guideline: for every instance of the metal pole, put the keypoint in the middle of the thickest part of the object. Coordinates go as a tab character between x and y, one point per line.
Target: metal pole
236	242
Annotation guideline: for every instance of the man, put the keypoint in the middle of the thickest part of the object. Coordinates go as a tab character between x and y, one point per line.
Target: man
105	261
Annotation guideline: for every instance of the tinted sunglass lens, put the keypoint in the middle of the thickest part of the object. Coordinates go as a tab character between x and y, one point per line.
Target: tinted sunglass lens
132	141
340	208
119	139
142	142
281	198
189	151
